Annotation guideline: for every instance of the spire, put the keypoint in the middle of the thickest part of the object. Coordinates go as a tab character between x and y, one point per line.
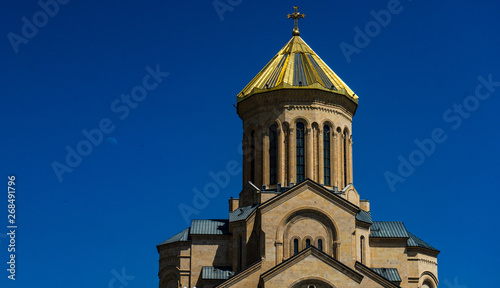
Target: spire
296	16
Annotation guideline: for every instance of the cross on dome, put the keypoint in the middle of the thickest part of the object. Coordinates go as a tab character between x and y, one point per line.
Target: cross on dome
296	16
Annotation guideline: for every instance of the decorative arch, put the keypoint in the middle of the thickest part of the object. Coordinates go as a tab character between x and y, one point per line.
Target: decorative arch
330	244
428	280
307	242
314	281
301	119
320	243
327	122
169	278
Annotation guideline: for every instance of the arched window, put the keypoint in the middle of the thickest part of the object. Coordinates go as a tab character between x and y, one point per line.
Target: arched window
345	156
295	246
252	157
300	153
320	244
361	248
326	155
273	160
308	243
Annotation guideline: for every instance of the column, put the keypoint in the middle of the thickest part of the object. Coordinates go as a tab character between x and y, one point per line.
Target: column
258	158
292	168
265	157
281	157
321	166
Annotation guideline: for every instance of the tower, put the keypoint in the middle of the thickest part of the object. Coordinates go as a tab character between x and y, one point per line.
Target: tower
299	221
297	116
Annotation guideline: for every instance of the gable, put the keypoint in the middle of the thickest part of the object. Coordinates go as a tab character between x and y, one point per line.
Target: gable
315	188
311	264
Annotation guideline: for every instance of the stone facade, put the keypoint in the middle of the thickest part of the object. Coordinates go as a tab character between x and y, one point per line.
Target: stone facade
299	220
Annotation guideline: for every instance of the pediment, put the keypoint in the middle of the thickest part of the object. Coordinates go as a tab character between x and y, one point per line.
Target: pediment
311	186
311	264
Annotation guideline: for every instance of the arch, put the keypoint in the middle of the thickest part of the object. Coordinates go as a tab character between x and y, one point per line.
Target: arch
331	244
169	278
295	245
297	119
320	243
315	281
327	122
307	242
429	279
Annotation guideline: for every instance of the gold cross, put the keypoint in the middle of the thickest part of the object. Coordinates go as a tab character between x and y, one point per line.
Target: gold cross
296	16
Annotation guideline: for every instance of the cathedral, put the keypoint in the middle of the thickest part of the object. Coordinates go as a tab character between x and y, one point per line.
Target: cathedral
298	221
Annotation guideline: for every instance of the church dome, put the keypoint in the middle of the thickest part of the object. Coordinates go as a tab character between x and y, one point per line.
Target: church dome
296	66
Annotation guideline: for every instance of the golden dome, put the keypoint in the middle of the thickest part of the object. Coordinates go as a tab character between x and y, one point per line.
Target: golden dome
296	66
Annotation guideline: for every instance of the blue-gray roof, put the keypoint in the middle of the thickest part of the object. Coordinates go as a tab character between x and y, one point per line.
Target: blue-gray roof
364	216
181	236
414	241
241	213
390	274
209	227
386	229
209	273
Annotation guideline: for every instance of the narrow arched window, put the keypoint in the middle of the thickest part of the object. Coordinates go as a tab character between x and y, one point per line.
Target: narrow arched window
326	155
295	246
308	243
361	248
252	157
300	153
273	159
320	244
345	156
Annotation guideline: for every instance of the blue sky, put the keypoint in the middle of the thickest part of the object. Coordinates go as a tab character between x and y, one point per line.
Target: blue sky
417	73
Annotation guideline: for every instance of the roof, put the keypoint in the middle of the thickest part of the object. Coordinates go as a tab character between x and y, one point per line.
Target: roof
296	66
390	274
414	241
210	273
210	227
386	229
181	236
241	213
364	216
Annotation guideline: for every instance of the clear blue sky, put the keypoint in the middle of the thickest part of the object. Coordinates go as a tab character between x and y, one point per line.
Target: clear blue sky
122	199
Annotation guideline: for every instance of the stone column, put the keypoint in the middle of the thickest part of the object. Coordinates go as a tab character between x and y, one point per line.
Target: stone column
279	252
292	152
321	166
281	157
258	159
349	160
265	157
246	157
